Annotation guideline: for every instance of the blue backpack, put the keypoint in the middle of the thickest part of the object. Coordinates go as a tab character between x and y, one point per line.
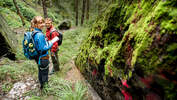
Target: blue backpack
29	49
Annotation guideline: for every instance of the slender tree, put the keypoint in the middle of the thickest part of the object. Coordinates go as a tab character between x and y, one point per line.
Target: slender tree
44	8
18	12
88	7
83	12
76	10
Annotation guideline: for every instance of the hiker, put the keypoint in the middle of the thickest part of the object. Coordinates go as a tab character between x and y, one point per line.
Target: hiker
50	34
42	47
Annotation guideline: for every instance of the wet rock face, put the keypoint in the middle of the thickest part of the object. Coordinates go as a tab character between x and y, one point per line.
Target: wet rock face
7	40
131	52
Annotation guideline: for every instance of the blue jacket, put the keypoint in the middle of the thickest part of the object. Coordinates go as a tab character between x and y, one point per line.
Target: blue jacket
41	44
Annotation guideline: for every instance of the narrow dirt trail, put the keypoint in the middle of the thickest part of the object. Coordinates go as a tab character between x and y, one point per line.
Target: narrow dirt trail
74	75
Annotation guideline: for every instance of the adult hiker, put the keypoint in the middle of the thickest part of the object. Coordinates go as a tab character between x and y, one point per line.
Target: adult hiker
50	34
42	46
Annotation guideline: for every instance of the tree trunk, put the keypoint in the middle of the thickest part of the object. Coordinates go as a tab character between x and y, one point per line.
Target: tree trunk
44	8
76	10
88	7
83	12
18	12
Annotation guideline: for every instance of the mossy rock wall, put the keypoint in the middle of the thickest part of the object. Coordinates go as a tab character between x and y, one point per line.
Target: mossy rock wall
7	40
133	42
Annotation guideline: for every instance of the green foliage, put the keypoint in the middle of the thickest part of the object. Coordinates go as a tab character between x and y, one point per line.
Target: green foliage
55	17
168	15
11	72
6	87
12	18
79	92
71	41
61	89
9	10
1	3
10	5
172	47
27	12
35	98
6	3
51	15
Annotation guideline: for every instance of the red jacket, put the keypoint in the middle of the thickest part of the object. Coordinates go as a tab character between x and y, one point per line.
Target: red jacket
54	34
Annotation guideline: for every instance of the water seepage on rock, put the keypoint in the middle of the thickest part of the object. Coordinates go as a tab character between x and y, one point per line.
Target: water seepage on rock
22	87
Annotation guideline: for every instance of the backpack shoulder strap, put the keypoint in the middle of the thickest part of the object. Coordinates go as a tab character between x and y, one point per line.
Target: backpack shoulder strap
34	32
32	36
53	30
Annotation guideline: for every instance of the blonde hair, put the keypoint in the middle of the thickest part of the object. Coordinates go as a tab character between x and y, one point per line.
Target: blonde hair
35	21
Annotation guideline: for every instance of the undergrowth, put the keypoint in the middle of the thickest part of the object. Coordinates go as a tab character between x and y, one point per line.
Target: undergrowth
71	41
14	71
60	89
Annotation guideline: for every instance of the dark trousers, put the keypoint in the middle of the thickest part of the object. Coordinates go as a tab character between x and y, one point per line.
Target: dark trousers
55	61
43	70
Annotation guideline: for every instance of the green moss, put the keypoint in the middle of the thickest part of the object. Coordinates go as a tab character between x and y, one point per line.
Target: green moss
172	47
167	13
133	35
132	24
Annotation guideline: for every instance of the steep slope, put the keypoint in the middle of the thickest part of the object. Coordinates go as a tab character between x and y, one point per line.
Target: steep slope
131	51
